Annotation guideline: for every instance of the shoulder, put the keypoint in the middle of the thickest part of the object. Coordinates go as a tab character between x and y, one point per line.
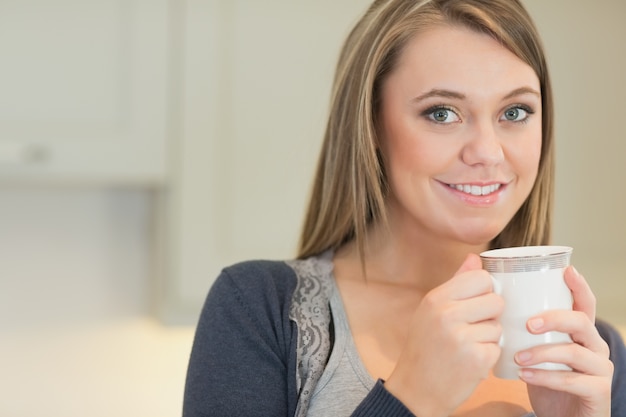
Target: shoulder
608	331
614	339
252	276
618	356
248	305
254	285
275	279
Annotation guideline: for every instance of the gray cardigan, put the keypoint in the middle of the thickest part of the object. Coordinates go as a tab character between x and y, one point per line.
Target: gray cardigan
264	335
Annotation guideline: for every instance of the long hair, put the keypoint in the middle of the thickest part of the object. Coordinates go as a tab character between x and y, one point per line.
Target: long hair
350	186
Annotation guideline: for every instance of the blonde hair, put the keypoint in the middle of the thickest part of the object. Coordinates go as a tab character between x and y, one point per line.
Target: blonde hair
349	185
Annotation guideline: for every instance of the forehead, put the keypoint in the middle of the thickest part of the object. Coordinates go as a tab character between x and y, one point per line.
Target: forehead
461	58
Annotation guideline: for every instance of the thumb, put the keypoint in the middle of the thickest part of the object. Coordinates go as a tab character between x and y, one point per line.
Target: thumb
471	262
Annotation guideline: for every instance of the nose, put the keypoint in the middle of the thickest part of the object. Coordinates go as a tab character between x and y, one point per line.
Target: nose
483	147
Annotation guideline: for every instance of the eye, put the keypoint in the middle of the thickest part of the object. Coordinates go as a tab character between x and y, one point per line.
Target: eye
517	114
442	115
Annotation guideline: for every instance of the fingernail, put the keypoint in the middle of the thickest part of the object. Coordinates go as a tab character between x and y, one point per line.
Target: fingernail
523	357
536	323
575	271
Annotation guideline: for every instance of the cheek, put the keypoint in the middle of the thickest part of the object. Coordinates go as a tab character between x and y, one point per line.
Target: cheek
407	146
534	153
525	159
414	155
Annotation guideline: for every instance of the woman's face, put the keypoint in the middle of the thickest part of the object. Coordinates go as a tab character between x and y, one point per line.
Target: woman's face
460	135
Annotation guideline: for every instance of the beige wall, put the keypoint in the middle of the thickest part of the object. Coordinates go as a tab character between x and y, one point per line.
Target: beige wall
587	56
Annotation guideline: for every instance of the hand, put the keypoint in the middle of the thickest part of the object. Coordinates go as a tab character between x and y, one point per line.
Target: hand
585	391
452	343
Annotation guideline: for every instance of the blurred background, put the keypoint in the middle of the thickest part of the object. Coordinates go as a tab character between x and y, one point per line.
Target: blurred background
145	144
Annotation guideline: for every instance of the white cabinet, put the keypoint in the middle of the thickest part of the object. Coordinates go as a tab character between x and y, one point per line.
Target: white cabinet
84	91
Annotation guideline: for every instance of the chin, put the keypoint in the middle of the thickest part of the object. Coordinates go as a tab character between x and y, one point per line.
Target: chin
480	237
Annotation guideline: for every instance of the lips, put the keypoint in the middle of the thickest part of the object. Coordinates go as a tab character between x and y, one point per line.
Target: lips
476	190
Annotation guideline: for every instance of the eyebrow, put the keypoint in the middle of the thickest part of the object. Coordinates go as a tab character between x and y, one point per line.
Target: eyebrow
437	92
521	91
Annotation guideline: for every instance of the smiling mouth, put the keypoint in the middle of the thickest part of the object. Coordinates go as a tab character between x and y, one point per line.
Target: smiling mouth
476	190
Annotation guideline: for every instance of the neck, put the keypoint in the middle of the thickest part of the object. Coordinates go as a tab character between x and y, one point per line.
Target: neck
409	259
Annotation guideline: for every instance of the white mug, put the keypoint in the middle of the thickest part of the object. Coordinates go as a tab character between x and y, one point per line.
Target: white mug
530	279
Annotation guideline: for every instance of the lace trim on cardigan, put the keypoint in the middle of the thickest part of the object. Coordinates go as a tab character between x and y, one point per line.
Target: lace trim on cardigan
310	309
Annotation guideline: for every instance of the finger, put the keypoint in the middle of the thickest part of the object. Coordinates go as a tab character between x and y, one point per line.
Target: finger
575	356
469	281
584	299
467	285
477	309
575	323
488	331
471	262
580	385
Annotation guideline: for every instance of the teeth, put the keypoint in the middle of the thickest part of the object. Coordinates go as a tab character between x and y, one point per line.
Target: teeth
476	189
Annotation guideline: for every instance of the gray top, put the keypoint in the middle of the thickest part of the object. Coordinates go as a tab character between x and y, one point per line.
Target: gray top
345	375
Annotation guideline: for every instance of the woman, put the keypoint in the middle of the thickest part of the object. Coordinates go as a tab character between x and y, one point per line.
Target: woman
439	145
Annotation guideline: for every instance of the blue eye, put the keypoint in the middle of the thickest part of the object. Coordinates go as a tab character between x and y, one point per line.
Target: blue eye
441	115
517	114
